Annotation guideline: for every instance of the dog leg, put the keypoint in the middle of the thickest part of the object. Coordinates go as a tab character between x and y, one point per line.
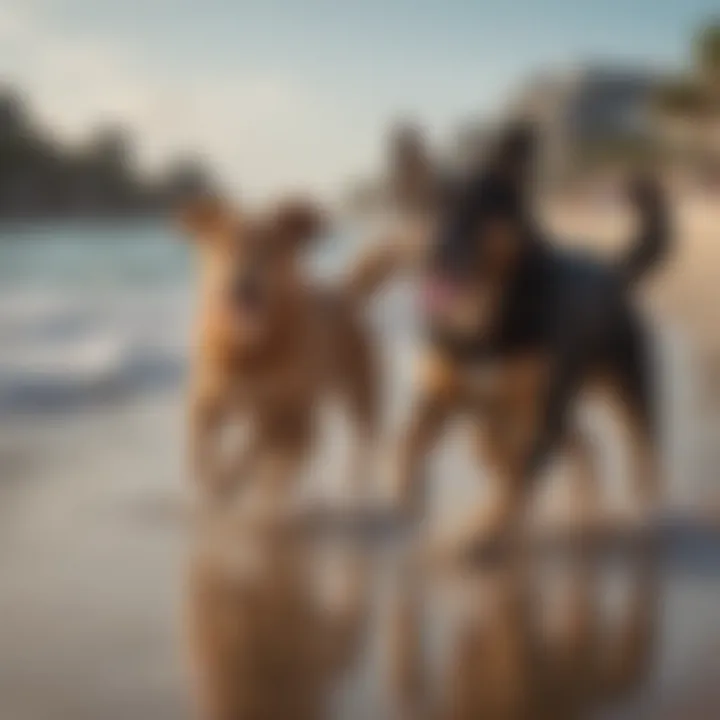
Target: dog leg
438	398
207	416
242	464
505	441
282	452
646	472
585	507
426	425
362	388
495	519
630	384
644	469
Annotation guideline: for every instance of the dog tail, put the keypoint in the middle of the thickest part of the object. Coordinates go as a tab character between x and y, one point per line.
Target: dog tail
651	244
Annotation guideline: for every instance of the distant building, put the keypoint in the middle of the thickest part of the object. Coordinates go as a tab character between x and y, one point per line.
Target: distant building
588	114
581	116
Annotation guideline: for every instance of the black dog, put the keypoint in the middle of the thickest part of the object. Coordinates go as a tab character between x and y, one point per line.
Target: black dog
547	321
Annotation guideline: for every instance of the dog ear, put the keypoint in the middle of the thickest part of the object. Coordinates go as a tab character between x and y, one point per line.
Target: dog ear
412	173
299	220
516	150
203	216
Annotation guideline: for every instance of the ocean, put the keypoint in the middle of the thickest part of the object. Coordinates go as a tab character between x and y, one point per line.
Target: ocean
88	314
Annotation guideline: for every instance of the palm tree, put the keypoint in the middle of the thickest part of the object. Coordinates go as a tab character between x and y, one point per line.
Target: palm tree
698	91
707	57
689	106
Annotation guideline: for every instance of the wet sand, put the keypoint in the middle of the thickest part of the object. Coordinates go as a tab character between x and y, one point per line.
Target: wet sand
94	580
91	551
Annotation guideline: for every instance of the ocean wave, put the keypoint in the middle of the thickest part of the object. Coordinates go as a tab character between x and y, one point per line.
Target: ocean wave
59	376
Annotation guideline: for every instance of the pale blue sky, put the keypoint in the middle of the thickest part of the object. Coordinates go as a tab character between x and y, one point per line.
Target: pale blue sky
278	92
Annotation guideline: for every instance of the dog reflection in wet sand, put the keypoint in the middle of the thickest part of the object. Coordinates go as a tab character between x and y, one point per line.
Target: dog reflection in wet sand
266	642
516	655
270	346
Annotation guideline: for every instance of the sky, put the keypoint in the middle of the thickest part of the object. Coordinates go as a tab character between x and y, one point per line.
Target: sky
285	94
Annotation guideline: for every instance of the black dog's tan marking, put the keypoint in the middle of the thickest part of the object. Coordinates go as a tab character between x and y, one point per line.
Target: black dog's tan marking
547	323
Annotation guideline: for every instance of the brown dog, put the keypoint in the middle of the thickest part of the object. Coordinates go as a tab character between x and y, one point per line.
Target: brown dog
271	345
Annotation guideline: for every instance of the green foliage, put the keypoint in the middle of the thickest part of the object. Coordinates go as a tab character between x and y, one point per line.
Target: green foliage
682	97
39	175
698	96
707	50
